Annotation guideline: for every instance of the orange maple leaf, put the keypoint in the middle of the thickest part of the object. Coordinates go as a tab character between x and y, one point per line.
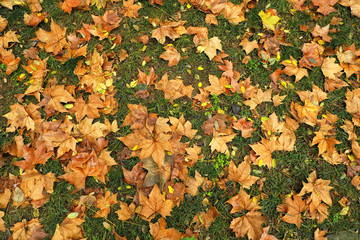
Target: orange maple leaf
319	189
159	231
292	207
171	55
241	174
242	201
55	40
249	224
155	204
219	141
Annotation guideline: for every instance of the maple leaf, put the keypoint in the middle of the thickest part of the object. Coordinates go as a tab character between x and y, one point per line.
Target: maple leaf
326	143
264	149
28	230
286	141
203	219
182	127
126	211
210	47
147	79
156	148
272	125
89	108
91	132
249	46
258	97
131	9
54	96
245	127
157	175
211	19
193	183
217	85
170	29
325	6
330	68
18	117
68	5
354	5
5	198
292	69
173	89
171	55
34	156
75	177
69	229
266	236
319	189
249	224
356	182
54	40
321	32
103	24
155	204
269	19
319	235
10	36
312	55
159	231
292	207
352	101
104	203
241	174
9	60
219	141
234	13
37	187
2	222
242	201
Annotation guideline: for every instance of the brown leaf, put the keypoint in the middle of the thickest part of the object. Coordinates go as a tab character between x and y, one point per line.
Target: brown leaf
104	204
249	46
126	211
37	187
173	89
89	108
131	9
54	40
241	174
217	85
171	55
159	231
242	201
319	189
69	229
330	68
203	219
249	224
155	204
292	207
28	230
170	29
319	235
219	141
321	32
34	156
292	69
192	184
68	5
2	222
